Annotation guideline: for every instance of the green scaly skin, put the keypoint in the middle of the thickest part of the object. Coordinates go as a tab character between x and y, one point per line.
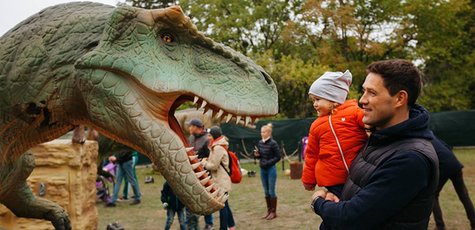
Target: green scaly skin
122	71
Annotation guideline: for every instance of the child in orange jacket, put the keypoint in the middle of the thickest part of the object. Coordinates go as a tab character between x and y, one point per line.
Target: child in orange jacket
336	136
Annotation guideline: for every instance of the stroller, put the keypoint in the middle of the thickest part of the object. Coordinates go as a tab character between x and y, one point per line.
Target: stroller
105	176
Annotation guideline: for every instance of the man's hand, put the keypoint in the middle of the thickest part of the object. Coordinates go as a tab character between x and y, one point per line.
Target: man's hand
309	187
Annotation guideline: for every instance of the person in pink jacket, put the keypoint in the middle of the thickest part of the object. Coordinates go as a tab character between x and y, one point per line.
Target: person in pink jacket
336	136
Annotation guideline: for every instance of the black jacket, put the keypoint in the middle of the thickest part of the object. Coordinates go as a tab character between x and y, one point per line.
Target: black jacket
168	196
392	187
200	144
124	155
269	152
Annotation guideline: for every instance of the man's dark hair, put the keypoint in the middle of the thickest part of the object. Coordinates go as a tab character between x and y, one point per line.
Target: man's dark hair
399	75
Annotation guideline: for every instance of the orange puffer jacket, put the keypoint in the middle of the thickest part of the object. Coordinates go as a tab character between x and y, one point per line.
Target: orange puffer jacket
323	163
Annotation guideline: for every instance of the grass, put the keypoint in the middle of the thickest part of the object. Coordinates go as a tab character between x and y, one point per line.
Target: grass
248	204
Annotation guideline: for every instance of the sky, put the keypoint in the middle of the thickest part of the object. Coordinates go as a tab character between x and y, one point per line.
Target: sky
13	12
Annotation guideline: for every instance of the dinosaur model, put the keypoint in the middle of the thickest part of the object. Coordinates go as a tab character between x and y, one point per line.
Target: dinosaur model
122	71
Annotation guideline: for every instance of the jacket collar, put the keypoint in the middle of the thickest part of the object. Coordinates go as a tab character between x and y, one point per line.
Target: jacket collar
417	126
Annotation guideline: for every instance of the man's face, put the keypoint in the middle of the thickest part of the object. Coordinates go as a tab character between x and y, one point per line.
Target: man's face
377	103
192	129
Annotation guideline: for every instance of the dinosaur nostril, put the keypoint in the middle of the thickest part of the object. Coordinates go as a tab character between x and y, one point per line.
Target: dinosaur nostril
267	77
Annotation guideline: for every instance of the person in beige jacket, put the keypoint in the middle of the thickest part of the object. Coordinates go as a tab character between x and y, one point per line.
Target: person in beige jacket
218	165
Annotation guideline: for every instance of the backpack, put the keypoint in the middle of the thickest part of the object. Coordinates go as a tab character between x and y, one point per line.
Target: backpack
234	167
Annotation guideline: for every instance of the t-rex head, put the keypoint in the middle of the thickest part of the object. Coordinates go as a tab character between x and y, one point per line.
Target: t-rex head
149	62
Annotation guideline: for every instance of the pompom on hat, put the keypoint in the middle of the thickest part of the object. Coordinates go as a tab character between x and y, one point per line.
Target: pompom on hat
332	86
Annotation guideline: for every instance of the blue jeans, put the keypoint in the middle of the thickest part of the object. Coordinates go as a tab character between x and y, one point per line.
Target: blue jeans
126	169
209	219
181	218
268	179
226	218
125	192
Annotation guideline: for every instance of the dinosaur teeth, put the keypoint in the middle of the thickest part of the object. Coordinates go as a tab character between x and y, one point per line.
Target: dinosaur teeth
248	119
206	110
238	119
229	117
204	181
195	165
224	197
203	104
199	174
209	188
195	100
215	193
220	112
221	192
192	157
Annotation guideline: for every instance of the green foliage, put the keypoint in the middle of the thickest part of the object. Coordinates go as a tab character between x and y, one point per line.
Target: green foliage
445	45
245	25
296	41
293	78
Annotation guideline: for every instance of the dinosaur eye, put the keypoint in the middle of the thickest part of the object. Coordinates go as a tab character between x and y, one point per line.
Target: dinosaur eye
167	38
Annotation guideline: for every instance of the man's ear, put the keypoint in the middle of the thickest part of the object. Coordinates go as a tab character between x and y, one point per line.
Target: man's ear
402	98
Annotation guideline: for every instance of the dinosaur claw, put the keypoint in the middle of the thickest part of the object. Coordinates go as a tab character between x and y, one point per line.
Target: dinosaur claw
59	219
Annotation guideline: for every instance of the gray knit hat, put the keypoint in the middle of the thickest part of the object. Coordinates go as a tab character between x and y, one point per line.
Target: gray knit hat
333	86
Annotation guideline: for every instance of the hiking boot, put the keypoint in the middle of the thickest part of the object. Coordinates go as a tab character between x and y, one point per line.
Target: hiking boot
135	202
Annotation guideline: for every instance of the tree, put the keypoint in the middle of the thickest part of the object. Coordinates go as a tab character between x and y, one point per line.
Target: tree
297	40
245	25
444	43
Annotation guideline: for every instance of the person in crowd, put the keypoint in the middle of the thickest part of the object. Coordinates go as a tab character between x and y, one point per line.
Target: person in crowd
450	168
268	153
198	139
393	180
125	191
173	205
124	166
336	136
218	165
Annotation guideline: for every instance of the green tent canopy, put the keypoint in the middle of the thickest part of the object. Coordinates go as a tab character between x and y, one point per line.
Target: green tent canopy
456	128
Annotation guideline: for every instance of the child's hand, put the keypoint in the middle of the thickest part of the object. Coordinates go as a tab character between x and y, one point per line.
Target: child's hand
309	187
332	197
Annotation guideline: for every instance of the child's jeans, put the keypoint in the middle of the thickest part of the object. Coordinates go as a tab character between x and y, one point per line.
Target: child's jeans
181	218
